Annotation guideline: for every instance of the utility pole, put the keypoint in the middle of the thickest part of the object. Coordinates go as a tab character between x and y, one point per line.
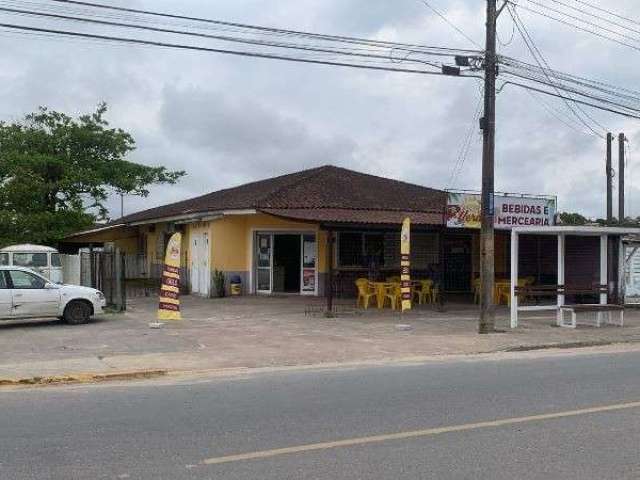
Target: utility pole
609	180
487	265
621	139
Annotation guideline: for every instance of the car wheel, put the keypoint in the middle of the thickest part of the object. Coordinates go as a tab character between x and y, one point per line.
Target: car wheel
77	312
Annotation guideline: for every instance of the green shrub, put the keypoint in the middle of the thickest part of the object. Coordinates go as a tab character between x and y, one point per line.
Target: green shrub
219	283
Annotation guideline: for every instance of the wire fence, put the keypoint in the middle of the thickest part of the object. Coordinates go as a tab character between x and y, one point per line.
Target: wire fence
119	276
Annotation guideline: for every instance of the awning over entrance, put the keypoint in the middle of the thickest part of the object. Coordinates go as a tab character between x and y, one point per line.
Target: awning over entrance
609	261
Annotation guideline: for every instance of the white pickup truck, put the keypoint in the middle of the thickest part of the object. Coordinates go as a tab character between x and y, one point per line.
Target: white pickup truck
27	294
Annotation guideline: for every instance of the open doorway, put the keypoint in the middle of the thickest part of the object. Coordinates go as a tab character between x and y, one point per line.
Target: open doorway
457	252
286	263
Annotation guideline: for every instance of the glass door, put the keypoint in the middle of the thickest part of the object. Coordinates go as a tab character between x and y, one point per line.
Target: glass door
264	262
308	283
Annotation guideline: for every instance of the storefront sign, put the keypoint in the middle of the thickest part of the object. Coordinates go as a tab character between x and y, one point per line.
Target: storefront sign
169	305
405	265
464	211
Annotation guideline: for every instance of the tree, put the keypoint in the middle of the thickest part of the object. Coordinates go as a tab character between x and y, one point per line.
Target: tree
56	172
568	218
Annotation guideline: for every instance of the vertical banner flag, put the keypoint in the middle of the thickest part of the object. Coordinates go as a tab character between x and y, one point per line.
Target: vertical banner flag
169	307
405	265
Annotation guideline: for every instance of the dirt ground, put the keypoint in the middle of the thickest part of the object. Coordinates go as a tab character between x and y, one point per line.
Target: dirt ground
254	332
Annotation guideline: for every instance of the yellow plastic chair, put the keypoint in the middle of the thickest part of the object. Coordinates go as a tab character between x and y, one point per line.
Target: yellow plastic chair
435	294
394	279
424	291
506	293
365	292
394	294
476	290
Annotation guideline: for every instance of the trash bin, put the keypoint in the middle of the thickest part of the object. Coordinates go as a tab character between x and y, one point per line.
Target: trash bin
236	285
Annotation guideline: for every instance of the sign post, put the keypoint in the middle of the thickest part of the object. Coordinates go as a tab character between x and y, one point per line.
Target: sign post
405	264
169	305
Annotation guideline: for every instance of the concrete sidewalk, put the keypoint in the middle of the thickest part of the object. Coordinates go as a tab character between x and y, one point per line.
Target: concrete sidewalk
255	332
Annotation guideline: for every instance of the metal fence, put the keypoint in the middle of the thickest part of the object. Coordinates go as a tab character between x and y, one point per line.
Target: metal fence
119	276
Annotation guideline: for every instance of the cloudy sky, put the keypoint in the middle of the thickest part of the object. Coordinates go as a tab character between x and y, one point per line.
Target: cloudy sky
229	120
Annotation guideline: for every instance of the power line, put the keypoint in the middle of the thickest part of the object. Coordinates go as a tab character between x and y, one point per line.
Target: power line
535	52
465	146
448	22
567	121
219	50
590	14
208	36
322	54
572	91
587	22
574	100
341	38
609	98
583	81
577	27
609	12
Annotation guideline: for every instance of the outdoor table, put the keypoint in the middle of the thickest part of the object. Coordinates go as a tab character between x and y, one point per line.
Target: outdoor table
500	286
381	288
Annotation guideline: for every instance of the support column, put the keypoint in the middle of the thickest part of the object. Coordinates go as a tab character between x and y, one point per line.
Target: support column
329	285
603	266
621	272
561	255
442	265
514	278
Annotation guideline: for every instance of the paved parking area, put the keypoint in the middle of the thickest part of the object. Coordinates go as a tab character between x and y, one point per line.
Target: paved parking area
270	332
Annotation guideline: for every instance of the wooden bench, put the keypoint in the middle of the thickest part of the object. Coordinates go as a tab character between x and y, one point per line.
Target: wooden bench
599	309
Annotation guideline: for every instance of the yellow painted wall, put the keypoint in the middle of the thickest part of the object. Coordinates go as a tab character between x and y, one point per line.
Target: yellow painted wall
232	239
229	244
127	246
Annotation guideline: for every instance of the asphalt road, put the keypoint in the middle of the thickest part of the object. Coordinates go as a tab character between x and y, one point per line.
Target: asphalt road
181	430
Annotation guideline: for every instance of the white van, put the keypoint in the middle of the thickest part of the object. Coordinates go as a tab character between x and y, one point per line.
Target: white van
42	259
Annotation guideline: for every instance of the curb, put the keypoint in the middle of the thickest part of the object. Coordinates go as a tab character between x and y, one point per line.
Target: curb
568	345
83	378
80	378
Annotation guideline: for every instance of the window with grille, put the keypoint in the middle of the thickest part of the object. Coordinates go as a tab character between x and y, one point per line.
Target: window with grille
358	249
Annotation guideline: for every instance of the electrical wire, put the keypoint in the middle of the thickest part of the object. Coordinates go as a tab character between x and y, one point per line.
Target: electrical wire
610	99
587	22
208	36
567	121
579	80
362	53
607	105
510	41
539	58
450	23
465	146
341	38
222	51
623	113
577	27
603	19
531	43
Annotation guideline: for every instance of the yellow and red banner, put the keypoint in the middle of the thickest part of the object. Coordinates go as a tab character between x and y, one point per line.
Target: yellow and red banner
405	264
169	307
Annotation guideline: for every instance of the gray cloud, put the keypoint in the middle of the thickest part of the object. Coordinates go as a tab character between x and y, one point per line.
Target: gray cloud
229	120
